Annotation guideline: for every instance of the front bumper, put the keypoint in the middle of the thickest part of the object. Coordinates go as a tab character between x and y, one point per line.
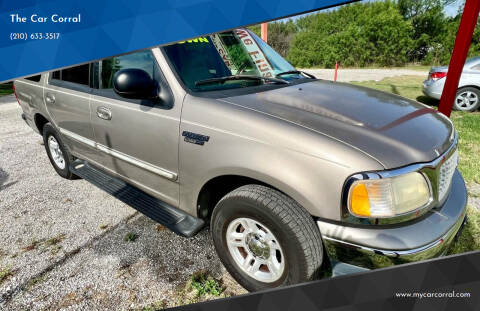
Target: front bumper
381	246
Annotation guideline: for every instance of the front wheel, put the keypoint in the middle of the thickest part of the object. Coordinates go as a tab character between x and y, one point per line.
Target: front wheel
265	239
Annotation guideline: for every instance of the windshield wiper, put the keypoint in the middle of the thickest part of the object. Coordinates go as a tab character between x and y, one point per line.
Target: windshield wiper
232	78
296	72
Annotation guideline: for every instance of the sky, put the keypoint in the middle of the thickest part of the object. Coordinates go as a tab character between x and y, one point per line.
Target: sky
452	9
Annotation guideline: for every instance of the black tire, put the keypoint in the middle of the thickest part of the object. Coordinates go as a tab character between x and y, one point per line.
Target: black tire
291	224
475	93
50	131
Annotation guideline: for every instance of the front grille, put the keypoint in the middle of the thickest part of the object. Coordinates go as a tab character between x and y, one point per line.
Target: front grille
447	169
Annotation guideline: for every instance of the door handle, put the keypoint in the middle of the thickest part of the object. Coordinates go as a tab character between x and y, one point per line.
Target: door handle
104	113
50	98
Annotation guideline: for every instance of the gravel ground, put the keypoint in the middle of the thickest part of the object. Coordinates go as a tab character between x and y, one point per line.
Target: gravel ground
64	241
347	75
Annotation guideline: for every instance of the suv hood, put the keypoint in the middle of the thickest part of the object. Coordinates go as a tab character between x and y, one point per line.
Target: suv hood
392	129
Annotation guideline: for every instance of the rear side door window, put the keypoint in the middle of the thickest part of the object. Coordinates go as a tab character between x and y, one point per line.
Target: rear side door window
77	78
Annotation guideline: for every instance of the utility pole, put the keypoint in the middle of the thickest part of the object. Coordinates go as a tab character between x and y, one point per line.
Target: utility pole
264	31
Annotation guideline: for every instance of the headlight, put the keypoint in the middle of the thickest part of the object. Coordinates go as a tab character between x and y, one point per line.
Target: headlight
388	197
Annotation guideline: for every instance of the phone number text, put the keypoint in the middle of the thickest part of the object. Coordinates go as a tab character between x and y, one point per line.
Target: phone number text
34	36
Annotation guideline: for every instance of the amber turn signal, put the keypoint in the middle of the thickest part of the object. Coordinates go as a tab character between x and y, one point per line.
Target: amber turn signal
359	202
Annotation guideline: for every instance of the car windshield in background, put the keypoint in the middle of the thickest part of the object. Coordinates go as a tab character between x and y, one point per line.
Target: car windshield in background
210	62
472	61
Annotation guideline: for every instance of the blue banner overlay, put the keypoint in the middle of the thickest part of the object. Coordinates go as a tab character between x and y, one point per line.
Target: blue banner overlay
37	36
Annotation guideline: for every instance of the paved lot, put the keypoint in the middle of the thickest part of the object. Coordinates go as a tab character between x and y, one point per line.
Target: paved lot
347	75
64	241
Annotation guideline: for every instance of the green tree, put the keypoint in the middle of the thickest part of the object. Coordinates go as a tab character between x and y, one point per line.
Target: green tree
354	35
441	55
280	34
385	33
429	26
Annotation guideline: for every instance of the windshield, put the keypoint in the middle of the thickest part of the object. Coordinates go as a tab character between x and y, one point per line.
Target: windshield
234	53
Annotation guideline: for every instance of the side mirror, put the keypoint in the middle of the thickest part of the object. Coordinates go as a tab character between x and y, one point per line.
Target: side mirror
134	83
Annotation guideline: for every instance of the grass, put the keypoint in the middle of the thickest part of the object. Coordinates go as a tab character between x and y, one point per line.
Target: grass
467	124
468	127
6	89
469	240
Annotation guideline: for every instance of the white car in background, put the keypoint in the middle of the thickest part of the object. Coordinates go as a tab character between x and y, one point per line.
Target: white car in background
468	94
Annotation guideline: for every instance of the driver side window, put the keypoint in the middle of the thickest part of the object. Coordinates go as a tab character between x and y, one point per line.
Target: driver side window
103	72
107	68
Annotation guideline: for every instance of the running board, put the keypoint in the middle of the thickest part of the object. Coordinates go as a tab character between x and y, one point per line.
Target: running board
173	218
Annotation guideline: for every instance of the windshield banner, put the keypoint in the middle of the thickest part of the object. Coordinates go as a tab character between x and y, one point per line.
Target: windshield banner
255	53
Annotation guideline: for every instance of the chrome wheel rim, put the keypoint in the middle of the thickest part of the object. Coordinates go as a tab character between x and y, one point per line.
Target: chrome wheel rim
466	100
255	250
56	152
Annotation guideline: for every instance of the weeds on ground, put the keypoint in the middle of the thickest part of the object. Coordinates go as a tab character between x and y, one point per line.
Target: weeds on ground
55	240
35	281
201	287
206	285
131	237
5	273
30	247
158	305
51	244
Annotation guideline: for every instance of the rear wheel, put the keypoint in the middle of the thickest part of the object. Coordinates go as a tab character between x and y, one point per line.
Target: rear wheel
265	239
468	99
57	152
